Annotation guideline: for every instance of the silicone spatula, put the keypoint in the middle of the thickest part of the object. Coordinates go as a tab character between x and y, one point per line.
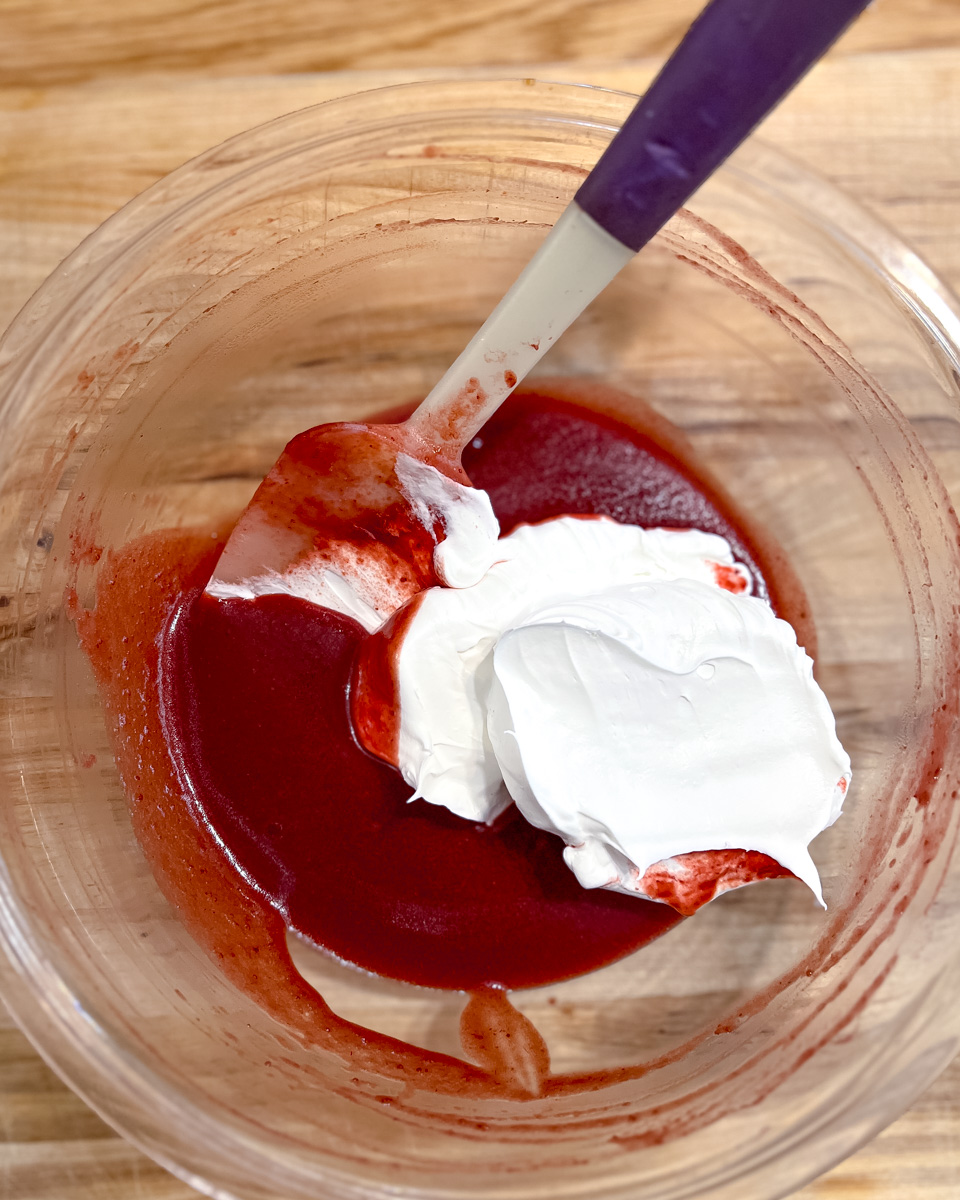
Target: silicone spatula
333	520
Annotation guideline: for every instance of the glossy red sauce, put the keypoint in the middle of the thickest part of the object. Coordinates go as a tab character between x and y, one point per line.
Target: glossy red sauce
255	693
254	701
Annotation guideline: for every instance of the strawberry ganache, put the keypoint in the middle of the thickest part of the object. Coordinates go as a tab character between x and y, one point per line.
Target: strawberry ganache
254	709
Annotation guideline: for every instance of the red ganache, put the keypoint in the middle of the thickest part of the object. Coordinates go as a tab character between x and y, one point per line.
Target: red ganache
254	703
255	697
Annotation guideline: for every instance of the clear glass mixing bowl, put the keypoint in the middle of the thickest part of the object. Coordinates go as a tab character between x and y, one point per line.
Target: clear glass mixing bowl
330	264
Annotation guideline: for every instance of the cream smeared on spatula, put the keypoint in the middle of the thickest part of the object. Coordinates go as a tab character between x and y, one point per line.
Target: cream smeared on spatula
351	521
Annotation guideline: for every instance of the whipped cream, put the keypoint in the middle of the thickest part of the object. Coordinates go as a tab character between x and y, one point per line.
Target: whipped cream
470	530
624	689
265	557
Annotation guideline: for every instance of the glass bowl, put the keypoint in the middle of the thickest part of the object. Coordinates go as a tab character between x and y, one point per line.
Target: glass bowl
330	264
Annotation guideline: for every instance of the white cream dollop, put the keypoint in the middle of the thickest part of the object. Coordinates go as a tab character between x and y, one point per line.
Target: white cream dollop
469	545
620	685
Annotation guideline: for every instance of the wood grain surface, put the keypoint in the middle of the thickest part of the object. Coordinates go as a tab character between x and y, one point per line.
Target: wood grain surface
63	41
99	99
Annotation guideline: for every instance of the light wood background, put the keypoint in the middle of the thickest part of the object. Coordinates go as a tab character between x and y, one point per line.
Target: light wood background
98	98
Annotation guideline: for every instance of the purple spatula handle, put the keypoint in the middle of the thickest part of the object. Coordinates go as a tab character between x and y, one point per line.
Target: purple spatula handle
737	60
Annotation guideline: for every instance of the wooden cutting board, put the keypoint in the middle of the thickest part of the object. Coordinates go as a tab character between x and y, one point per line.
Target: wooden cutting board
886	126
